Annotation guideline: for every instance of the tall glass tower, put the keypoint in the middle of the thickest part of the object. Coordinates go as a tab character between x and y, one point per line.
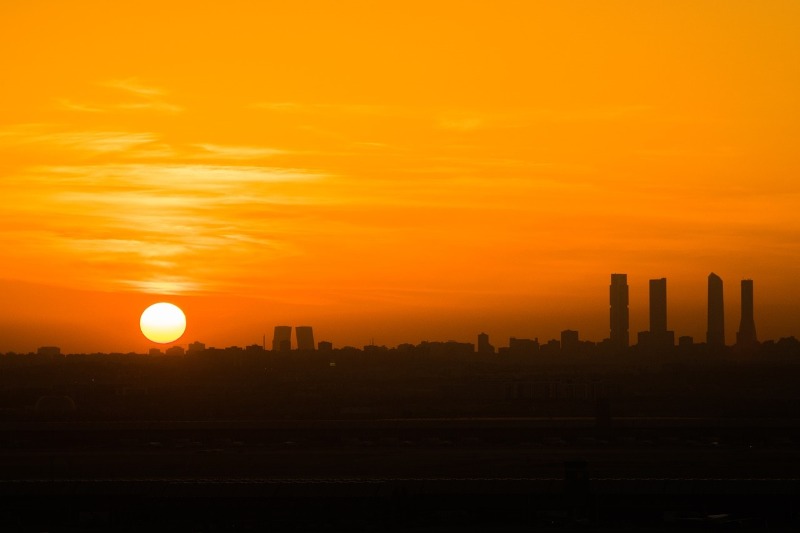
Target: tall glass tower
715	335
282	340
658	306
305	338
746	336
619	311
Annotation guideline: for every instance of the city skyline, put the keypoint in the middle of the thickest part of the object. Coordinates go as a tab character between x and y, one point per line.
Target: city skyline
315	164
657	339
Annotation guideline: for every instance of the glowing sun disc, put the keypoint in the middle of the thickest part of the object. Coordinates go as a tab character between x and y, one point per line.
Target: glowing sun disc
163	322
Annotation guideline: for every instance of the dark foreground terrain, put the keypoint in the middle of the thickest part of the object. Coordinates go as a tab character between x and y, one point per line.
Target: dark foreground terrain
403	474
352	441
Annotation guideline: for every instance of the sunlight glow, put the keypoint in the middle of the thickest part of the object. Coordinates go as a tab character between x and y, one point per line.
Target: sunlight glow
163	322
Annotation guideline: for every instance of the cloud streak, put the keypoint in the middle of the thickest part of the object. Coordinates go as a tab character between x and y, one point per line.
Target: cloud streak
145	98
134	86
139	223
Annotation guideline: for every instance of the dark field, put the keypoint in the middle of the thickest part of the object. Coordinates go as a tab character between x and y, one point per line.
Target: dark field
402	475
275	443
425	449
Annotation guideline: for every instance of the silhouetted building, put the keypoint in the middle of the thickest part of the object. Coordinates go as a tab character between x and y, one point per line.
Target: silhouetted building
324	346
305	338
604	347
715	335
523	347
656	343
551	349
619	311
196	347
570	344
374	349
155	352
282	339
658	305
49	350
483	344
685	341
643	340
406	348
446	349
746	336
658	339
174	350
462	348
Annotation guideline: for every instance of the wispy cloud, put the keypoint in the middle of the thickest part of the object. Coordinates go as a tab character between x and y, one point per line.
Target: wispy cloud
134	86
99	141
141	224
69	105
236	152
89	141
128	144
348	109
133	210
152	105
162	285
145	98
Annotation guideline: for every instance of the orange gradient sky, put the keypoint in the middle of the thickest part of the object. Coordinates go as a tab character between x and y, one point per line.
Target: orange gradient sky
394	170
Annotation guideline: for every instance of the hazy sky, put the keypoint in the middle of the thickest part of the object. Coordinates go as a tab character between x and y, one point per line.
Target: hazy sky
393	170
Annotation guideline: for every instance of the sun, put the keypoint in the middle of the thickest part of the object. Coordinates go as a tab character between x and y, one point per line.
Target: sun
163	322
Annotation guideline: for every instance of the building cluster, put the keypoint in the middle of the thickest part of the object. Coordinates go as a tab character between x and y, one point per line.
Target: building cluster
282	339
659	339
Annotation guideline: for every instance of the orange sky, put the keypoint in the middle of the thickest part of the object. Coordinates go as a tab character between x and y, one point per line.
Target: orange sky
417	170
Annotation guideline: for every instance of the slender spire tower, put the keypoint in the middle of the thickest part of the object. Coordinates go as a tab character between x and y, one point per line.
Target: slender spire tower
658	306
746	336
659	339
619	311
715	335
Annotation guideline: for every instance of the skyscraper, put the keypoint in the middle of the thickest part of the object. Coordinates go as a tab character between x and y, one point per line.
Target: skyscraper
746	336
658	306
658	339
305	338
282	340
619	311
715	335
523	347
